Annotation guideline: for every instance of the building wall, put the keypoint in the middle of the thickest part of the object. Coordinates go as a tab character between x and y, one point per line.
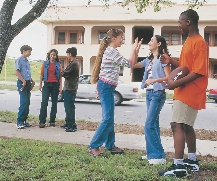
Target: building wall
92	24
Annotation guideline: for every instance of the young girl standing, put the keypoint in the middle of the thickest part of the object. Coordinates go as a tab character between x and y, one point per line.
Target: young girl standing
50	74
155	76
106	75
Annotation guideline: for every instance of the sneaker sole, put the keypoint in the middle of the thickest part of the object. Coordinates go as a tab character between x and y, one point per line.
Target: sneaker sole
192	167
20	127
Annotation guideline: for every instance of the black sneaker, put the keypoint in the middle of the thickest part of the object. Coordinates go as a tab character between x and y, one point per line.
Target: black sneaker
116	150
174	170
52	124
41	125
27	124
65	126
70	129
193	166
20	126
75	128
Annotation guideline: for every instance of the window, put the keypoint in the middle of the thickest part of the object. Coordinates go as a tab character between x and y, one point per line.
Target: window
69	37
61	37
73	38
101	36
82	37
172	38
84	79
175	39
207	37
167	37
215	40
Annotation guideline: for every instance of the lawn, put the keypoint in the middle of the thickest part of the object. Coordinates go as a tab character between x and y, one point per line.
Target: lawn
7	73
40	160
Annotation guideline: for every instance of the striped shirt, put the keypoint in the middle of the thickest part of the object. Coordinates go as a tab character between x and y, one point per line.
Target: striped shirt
112	60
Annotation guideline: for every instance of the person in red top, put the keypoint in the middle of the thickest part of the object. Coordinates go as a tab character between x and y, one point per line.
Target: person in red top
189	94
51	75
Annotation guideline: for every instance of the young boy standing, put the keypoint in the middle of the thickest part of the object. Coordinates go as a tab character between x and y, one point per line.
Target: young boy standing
71	75
25	84
194	55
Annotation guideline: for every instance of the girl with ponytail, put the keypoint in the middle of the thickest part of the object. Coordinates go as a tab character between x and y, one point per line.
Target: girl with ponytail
106	74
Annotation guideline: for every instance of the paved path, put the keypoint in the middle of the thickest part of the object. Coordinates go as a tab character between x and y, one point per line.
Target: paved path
83	137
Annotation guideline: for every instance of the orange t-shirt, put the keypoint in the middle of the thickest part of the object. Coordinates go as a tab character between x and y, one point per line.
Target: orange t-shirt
194	55
51	72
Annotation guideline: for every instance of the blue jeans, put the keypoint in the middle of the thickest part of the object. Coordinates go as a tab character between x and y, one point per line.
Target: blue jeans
49	88
69	104
24	101
154	101
105	132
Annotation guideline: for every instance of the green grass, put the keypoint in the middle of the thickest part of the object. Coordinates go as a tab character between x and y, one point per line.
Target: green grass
24	160
7	73
40	160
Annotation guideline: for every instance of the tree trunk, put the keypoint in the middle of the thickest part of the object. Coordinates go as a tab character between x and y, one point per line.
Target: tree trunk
8	31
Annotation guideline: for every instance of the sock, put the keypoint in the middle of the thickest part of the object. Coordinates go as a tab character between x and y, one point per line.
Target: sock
178	161
192	156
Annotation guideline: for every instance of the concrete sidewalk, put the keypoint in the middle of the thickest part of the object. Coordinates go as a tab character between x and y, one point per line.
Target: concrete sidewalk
83	137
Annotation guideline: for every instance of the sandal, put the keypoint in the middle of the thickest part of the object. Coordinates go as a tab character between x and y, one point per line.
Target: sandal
95	152
116	150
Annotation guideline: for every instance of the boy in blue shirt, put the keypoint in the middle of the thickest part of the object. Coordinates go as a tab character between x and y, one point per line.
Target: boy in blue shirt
24	85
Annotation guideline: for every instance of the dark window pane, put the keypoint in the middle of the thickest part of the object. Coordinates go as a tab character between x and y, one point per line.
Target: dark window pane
101	36
82	37
61	37
215	41
73	38
206	37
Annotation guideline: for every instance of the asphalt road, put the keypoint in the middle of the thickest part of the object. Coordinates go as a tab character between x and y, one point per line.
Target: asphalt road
130	112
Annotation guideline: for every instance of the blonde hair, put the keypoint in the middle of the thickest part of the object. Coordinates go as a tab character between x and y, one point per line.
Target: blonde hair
112	33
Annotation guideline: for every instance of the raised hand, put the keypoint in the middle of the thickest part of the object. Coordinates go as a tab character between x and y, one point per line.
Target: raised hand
138	46
135	45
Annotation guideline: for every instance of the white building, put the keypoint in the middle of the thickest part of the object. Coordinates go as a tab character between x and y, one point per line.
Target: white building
84	26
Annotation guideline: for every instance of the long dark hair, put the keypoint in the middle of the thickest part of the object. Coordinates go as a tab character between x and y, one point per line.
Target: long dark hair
55	51
112	33
162	47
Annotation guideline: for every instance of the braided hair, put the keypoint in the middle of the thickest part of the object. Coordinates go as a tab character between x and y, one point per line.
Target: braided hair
112	33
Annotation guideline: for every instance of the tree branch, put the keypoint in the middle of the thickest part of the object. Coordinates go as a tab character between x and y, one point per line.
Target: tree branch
6	13
33	14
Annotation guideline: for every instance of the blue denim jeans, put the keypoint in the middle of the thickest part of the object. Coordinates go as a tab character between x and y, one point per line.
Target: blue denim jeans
105	132
24	101
69	104
154	102
49	88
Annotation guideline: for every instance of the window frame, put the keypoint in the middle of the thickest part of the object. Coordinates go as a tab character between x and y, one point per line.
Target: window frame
67	36
170	37
76	32
57	37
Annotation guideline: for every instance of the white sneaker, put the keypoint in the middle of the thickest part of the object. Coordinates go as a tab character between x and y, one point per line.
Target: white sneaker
144	157
157	161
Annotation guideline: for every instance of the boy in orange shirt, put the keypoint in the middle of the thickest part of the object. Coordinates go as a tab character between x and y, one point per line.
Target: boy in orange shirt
189	94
